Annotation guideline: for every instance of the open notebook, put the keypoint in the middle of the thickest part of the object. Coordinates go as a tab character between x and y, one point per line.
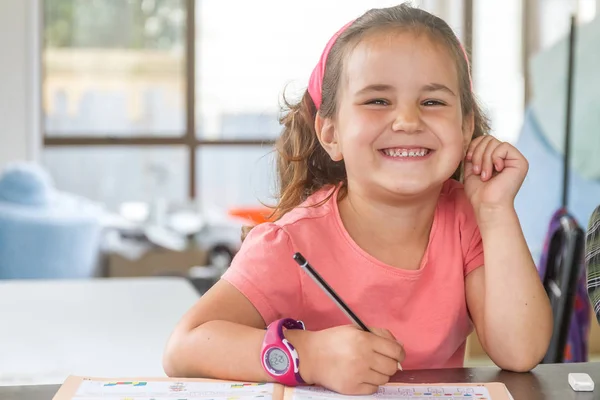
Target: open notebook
80	388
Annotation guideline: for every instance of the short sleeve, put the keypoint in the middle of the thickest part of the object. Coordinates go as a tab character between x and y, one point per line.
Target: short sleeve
265	272
474	251
471	243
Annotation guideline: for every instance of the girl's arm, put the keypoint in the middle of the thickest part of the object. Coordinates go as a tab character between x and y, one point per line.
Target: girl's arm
506	299
222	335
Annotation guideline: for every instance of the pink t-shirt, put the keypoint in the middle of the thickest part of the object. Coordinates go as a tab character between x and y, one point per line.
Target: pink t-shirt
425	309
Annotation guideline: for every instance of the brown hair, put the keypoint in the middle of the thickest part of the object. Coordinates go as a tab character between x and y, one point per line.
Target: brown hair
303	165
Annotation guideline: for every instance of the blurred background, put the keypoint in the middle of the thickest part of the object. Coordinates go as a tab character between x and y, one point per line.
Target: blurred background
136	136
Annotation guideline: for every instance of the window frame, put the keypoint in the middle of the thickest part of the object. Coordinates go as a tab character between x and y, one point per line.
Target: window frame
189	140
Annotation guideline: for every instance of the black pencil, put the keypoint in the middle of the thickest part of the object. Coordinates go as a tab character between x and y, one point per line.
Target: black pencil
331	293
334	296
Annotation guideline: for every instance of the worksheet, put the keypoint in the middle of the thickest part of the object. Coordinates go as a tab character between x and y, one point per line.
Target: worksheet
401	393
171	390
82	388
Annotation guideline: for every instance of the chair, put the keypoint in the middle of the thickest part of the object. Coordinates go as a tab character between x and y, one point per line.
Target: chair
44	234
560	270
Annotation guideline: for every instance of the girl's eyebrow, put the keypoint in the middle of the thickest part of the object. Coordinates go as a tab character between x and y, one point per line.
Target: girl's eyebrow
434	87
376	87
382	87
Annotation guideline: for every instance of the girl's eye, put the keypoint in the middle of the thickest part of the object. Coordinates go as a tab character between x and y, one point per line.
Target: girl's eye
378	102
430	103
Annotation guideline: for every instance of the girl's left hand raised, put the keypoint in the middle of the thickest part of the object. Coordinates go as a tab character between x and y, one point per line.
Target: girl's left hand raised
494	172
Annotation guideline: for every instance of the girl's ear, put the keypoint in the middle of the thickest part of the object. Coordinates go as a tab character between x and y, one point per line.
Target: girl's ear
328	137
468	130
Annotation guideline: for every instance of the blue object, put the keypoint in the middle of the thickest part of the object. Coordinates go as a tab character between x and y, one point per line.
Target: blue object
541	193
45	234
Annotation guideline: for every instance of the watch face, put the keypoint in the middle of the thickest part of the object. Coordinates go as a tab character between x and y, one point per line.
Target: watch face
278	360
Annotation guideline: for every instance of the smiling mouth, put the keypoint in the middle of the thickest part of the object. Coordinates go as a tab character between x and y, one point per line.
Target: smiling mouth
406	153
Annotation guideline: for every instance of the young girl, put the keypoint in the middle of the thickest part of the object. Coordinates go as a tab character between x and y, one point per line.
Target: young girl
369	165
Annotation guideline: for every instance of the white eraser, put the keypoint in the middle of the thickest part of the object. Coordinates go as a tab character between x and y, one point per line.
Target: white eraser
581	382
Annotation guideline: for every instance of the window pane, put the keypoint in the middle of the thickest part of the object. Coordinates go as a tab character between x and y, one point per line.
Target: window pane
497	64
112	175
235	176
245	63
114	67
554	17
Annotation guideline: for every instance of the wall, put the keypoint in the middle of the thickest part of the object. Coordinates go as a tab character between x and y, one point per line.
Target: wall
19	80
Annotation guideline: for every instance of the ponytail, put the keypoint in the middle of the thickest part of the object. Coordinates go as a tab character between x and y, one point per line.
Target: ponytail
303	166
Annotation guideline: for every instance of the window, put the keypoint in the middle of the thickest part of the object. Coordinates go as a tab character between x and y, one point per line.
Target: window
114	68
501	30
174	99
497	64
114	174
554	19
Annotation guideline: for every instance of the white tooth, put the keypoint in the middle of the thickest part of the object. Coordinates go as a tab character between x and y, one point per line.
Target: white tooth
411	153
404	153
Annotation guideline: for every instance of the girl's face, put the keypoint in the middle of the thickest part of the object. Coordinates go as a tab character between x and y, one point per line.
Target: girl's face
399	126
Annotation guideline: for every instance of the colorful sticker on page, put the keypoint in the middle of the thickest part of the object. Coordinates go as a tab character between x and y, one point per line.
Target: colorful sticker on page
401	393
92	390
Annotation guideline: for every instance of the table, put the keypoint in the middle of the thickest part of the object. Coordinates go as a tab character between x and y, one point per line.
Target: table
94	327
546	382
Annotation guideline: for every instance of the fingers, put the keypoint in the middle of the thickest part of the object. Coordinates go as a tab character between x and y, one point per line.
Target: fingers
384	365
487	166
365	389
499	155
390	348
473	145
487	154
375	378
384	333
477	151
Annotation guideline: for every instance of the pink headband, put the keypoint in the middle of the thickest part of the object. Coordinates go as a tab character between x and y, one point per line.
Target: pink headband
315	83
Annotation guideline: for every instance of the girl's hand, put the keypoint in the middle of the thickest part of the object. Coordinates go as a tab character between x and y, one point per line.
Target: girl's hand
348	360
494	172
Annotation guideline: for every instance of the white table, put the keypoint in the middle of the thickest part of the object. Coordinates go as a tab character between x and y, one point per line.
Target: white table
98	327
